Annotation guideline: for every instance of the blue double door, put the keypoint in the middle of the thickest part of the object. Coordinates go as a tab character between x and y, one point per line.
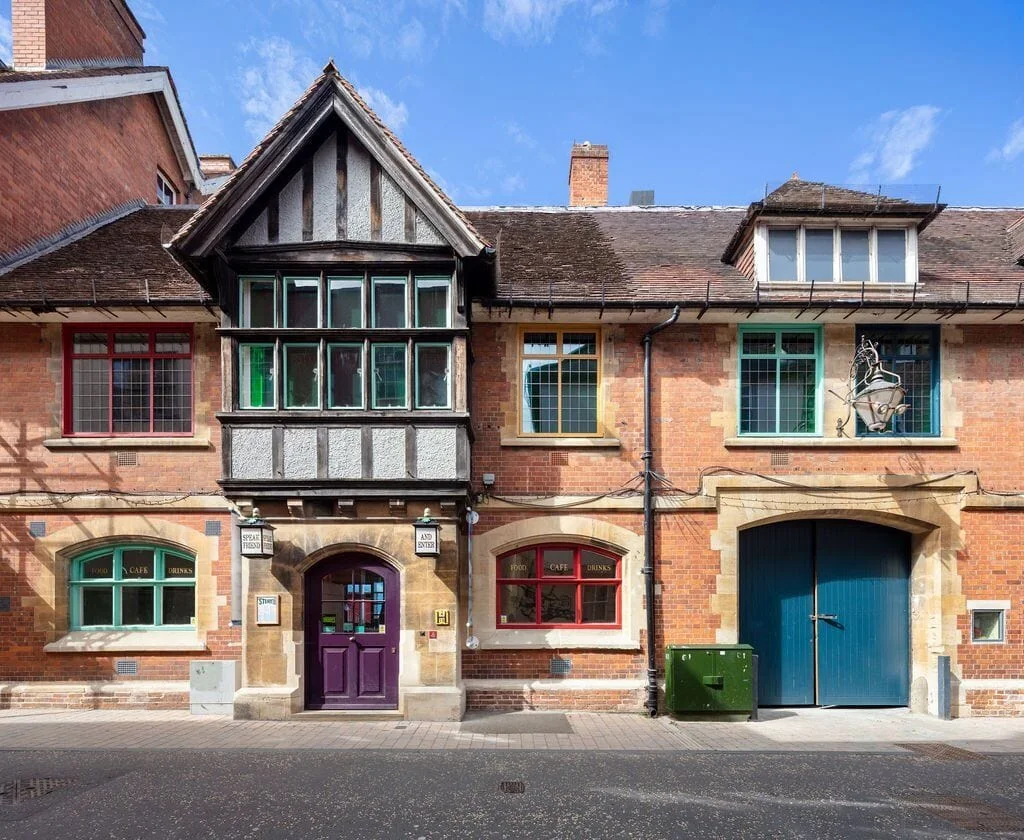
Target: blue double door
826	606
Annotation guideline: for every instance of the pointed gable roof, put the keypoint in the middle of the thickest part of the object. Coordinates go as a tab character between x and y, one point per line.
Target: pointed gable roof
330	93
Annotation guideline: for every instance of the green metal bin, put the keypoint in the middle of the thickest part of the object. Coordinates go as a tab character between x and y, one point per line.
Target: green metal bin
714	679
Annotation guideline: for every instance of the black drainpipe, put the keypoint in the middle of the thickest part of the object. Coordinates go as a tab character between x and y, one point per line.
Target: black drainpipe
648	457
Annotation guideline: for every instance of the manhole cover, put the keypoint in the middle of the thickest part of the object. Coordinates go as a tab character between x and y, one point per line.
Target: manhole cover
942	752
967	814
513	787
25	790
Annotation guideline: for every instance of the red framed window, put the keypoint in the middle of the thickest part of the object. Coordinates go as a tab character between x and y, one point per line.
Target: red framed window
559	586
128	380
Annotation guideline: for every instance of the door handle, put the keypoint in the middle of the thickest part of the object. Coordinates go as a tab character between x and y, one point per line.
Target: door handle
824	617
351	638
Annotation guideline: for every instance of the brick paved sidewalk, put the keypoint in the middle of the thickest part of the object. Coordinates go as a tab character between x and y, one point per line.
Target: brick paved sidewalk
844	730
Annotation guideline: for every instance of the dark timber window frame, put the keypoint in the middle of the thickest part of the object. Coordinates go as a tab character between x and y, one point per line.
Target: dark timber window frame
111	355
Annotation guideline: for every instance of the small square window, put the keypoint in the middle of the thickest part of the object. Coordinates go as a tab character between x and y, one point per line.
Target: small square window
988	626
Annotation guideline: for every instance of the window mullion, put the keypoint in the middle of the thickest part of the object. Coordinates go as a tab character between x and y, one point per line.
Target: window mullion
778	381
558	380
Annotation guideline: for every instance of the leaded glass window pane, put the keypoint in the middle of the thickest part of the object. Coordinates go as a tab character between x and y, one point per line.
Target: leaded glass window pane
172	395
818	254
912	353
302	388
432	376
90	395
346	364
302	301
540	396
579	396
256	376
854	245
781	255
389	376
779	375
432	301
797	386
892	256
599	604
757	396
130	399
346	302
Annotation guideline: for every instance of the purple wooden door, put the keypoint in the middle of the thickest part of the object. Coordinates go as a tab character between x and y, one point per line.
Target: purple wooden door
352	634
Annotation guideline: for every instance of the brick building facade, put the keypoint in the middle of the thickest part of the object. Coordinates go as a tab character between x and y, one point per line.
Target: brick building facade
331	341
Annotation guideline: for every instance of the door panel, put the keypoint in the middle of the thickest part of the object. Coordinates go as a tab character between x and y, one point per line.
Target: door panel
352	630
863	580
776	599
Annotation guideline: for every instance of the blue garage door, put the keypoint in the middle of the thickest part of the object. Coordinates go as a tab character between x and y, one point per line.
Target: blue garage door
854	577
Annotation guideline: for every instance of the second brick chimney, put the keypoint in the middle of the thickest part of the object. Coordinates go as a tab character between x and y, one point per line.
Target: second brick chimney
588	175
55	33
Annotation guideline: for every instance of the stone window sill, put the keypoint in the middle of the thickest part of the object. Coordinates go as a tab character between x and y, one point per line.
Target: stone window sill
557	638
127	443
564	442
840	443
123	641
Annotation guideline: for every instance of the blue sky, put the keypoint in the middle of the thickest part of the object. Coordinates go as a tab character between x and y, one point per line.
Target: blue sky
704	102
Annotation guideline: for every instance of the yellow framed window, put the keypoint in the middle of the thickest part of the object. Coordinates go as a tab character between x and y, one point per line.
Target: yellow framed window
559	382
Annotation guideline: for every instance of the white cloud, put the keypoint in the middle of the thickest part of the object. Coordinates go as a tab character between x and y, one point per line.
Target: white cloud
535	20
519	136
394	114
1014	145
6	44
513	183
654	17
895	140
411	40
271	86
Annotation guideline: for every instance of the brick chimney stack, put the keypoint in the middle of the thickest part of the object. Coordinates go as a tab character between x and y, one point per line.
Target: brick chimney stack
588	175
55	33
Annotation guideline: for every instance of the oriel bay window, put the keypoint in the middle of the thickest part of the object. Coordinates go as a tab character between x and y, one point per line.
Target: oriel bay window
334	361
559	586
913	353
132	380
780	381
560	370
133	586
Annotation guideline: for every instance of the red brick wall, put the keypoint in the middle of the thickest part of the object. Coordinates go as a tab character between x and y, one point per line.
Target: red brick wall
84	29
23	575
64	163
31	376
28	32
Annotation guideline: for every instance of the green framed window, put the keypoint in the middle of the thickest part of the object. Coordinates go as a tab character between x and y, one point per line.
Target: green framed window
345	375
433	379
133	587
389	302
258	302
301	375
256	376
780	380
302	302
432	301
345	302
390	374
913	353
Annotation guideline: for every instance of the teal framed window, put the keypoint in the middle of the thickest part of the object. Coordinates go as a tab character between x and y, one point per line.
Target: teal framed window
390	373
302	302
133	587
345	302
301	375
780	376
389	302
345	375
913	353
256	376
432	301
258	302
433	378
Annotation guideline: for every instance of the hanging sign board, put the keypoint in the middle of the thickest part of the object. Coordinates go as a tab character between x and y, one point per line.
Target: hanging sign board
256	540
427	539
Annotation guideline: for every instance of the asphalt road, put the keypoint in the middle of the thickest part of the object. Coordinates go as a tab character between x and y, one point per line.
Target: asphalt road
432	795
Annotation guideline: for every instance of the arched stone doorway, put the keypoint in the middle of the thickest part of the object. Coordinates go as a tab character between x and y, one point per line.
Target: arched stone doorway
352	632
826	605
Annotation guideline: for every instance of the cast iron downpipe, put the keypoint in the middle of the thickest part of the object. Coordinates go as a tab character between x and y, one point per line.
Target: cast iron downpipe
648	458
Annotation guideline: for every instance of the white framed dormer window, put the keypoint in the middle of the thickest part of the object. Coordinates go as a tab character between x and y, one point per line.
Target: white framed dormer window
848	253
165	192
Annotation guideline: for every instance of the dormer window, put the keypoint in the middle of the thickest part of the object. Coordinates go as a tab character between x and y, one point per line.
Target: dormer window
809	253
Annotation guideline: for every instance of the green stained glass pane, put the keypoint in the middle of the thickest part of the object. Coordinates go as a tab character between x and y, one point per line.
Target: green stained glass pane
389	376
256	380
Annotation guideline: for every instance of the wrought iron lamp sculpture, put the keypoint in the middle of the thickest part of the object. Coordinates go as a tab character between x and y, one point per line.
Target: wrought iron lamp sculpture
875	393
